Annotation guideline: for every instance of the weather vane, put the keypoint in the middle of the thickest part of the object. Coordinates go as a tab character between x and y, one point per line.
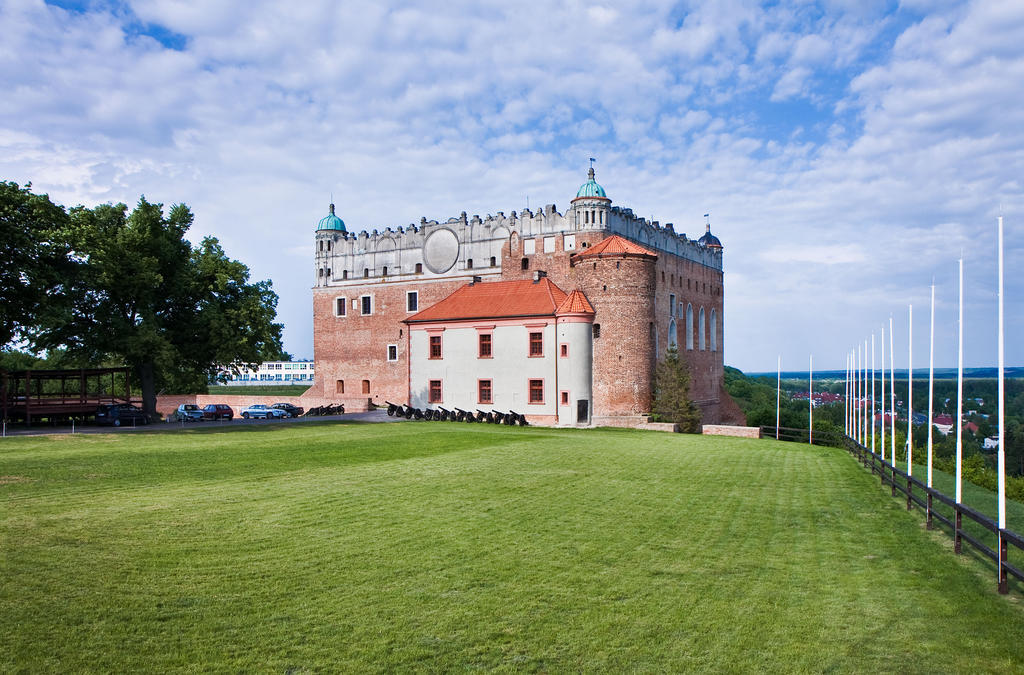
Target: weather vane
592	160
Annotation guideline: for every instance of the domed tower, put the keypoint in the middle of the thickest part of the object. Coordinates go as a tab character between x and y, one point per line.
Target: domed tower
709	240
591	205
328	231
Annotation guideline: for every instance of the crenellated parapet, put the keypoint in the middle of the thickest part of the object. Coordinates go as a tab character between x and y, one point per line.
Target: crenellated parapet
471	246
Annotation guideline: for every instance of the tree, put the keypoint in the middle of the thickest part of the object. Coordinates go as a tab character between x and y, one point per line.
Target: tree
35	259
672	393
143	294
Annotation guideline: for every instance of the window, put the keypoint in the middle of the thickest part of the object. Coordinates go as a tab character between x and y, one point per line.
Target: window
672	335
484	391
339	388
529	246
328	246
366	386
549	244
321	245
320	272
537	344
536	391
435	392
597	330
714	330
419	268
563	350
525	264
344	274
569	242
392	352
689	326
435	346
367	305
366	272
384	271
469	264
485	346
565	398
494	261
672	304
700	327
412	301
340	306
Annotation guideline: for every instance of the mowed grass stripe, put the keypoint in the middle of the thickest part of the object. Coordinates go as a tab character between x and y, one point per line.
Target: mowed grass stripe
455	546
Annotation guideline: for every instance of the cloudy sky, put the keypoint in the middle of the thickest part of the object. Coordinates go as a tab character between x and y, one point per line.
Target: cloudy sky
848	151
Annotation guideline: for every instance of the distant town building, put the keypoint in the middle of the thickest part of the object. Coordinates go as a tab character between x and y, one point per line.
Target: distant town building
270	372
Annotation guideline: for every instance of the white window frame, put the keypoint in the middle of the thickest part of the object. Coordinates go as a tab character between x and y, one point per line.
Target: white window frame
408	296
362	303
390	348
344	305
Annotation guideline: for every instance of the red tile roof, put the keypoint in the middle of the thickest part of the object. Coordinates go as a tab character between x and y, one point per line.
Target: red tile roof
615	246
575	303
495	300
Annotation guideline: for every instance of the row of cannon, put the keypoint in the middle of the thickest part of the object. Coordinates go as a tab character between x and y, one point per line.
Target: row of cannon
325	410
511	418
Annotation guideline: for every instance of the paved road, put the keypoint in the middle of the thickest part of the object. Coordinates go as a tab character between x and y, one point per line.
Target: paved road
42	430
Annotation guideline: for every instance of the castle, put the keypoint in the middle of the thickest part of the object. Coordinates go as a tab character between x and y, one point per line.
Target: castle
561	317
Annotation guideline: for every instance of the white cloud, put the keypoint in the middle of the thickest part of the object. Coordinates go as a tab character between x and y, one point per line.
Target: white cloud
836	217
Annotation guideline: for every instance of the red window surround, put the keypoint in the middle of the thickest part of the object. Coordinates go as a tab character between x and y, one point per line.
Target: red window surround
435	392
536	388
565	397
563	350
536	344
435	346
484	391
485	346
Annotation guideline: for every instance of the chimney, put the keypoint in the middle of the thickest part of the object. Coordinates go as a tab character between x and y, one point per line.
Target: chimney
538	275
476	280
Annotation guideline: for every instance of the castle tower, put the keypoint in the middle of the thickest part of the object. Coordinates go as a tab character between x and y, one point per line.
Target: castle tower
327	235
591	205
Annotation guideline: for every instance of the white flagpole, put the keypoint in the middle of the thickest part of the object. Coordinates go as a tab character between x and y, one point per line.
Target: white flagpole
860	387
892	399
883	392
810	400
960	387
846	398
931	385
1001	458
778	398
865	397
872	426
910	391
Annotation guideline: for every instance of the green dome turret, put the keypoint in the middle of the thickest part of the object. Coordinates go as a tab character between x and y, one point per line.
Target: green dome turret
331	222
591	189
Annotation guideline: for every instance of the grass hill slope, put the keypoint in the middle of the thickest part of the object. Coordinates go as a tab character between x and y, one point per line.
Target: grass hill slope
341	547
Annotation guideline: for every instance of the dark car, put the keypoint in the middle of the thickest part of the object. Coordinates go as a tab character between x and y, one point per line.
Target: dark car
293	410
121	414
218	411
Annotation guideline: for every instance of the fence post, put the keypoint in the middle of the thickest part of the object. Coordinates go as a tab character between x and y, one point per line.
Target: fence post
1002	564
893	481
928	520
956	535
910	489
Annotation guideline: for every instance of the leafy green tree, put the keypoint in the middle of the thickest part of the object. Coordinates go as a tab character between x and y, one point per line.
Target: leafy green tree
34	255
672	393
141	293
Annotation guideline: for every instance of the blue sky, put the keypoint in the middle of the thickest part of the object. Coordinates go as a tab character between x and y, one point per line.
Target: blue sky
848	151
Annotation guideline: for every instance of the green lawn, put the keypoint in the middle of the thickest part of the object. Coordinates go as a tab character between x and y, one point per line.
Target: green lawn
419	546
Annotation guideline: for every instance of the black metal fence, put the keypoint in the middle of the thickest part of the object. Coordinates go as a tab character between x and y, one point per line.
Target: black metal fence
826	438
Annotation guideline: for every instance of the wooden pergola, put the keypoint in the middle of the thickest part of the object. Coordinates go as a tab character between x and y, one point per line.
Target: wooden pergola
61	394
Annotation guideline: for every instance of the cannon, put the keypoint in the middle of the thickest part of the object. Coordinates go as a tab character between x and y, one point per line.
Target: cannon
442	414
482	416
417	413
408	412
497	416
518	419
393	408
428	415
460	415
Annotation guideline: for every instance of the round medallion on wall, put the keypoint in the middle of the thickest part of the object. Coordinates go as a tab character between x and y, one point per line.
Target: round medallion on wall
441	250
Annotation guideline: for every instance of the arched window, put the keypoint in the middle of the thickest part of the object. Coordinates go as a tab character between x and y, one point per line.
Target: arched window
469	264
672	336
700	336
714	330
328	246
321	244
384	272
419	268
344	274
366	272
689	326
525	264
493	261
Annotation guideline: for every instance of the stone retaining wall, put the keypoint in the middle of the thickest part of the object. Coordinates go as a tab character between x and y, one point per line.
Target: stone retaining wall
724	430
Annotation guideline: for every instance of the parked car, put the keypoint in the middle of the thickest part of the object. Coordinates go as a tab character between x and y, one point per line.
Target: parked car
121	414
218	411
292	410
188	412
260	411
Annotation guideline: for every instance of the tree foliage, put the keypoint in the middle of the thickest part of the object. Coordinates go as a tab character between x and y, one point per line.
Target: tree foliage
672	401
138	291
35	258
